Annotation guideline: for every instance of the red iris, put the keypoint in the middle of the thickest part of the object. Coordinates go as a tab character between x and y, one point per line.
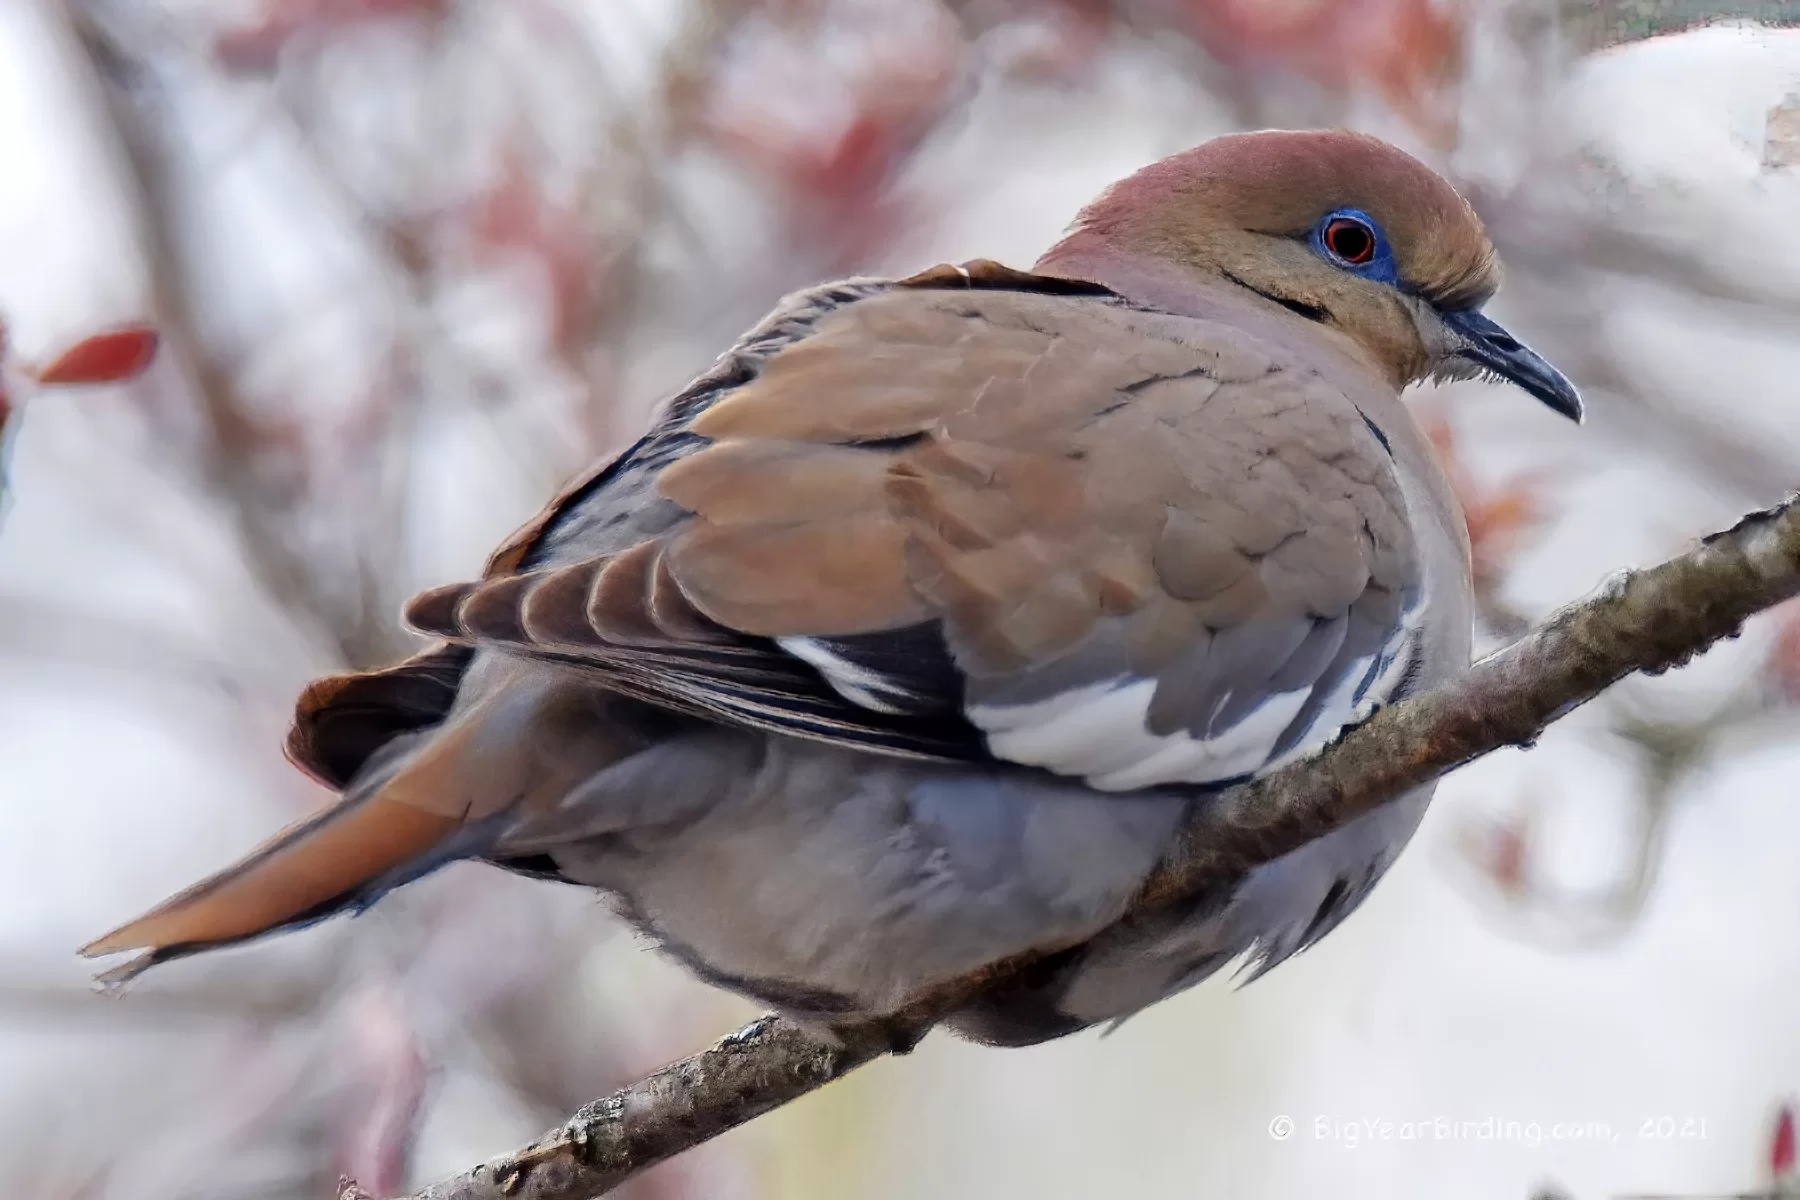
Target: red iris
1350	240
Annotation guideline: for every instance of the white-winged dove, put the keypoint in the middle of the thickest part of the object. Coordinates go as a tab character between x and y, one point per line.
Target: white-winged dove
899	643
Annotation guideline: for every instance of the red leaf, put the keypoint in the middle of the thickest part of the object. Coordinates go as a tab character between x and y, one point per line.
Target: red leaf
1410	51
107	357
517	217
1781	1146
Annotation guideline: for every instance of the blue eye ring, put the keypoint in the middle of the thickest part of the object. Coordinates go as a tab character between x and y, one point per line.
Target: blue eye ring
1349	239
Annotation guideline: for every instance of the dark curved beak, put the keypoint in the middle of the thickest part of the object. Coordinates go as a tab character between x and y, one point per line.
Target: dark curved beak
1489	346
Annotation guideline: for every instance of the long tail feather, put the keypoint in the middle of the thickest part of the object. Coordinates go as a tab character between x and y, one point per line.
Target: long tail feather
520	739
307	871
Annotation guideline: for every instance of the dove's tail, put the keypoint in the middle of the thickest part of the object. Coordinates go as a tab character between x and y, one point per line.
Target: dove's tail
340	858
424	798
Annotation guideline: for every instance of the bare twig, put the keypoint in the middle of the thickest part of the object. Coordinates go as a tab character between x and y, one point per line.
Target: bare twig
1560	259
1648	620
127	92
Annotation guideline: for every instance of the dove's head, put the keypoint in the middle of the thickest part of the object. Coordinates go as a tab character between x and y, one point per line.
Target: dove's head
1339	228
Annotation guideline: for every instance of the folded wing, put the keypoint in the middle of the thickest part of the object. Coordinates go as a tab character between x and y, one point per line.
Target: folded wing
986	515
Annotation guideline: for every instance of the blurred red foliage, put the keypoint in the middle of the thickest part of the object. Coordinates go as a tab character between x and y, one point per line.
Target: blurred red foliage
1782	668
1781	1146
827	110
515	218
1055	42
828	100
1408	50
1501	519
1498	848
1508	851
257	46
381	1116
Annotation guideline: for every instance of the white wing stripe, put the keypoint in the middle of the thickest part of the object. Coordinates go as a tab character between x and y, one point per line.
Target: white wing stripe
857	684
1098	732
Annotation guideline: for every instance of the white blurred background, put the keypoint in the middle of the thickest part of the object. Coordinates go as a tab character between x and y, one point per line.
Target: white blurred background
415	261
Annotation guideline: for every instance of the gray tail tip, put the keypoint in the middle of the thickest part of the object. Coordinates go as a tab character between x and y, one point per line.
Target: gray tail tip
111	982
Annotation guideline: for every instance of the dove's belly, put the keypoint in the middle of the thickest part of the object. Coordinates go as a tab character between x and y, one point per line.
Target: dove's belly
831	883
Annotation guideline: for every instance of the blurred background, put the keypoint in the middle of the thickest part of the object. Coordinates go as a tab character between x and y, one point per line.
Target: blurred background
415	261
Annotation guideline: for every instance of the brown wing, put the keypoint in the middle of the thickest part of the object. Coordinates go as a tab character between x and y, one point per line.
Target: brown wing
341	720
974	514
982	513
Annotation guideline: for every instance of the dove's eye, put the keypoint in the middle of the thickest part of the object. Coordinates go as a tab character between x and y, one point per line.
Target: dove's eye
1349	239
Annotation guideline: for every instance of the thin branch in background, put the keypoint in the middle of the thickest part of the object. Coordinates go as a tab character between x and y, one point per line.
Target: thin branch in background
1567	256
1600	23
228	456
283	475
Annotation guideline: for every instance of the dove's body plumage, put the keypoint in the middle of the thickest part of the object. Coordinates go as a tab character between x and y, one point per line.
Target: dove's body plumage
901	642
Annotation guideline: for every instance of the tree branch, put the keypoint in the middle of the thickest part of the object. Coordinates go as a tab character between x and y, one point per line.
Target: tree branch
1648	620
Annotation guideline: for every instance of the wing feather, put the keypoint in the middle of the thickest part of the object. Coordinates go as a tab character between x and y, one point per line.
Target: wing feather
984	514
